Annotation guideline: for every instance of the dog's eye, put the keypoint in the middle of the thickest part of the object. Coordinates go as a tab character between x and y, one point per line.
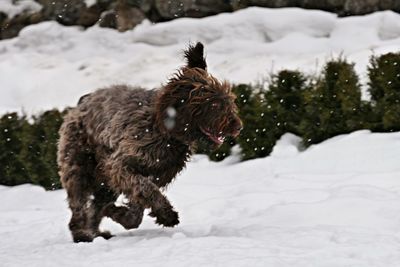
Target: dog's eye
215	105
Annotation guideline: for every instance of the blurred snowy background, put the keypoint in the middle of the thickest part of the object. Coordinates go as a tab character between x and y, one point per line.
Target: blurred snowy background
49	65
336	203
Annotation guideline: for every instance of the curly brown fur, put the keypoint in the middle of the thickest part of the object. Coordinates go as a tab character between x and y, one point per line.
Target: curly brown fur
131	141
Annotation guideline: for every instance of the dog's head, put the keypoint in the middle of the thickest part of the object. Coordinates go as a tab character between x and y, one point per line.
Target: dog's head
195	106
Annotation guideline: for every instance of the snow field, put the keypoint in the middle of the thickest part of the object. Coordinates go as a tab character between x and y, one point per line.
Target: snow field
335	204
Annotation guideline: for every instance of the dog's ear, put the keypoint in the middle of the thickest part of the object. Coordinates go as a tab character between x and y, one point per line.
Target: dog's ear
195	56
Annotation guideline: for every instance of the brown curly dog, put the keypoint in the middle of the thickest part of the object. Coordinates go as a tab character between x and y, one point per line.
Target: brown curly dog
131	141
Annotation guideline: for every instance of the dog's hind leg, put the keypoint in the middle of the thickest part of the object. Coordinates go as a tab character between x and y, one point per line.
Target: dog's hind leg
130	217
102	197
76	165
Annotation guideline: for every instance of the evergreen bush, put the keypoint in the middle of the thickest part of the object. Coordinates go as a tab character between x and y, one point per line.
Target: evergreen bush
259	134
315	108
333	106
40	149
12	166
384	89
284	100
28	149
268	114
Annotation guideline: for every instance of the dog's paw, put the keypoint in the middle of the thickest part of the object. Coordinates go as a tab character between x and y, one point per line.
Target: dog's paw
82	236
104	234
166	217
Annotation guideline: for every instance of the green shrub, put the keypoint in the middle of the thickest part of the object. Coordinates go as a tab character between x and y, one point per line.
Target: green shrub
40	149
333	105
384	88
284	100
28	150
12	167
258	135
314	108
267	114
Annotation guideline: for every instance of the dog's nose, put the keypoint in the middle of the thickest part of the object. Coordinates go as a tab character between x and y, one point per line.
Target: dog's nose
239	125
238	128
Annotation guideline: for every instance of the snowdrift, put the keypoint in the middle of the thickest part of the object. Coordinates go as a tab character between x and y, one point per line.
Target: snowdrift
335	204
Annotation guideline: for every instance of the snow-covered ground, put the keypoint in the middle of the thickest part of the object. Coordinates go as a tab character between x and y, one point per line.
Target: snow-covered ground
336	204
50	65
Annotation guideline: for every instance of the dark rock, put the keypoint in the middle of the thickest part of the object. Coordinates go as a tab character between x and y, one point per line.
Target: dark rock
127	17
66	12
238	4
104	4
3	17
359	7
341	7
89	16
36	17
108	19
390	4
11	27
191	8
327	5
143	5
126	14
273	4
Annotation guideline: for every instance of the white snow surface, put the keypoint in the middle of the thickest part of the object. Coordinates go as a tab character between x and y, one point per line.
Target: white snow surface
12	9
335	204
49	65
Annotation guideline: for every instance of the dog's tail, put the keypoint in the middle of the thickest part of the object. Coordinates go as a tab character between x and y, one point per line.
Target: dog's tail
195	56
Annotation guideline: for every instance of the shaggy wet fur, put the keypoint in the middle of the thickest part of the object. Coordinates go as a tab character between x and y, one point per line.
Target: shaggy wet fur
131	141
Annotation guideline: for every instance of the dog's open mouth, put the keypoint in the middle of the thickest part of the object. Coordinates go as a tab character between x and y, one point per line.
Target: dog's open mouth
216	138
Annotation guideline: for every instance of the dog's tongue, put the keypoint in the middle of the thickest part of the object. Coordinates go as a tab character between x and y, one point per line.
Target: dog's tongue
220	139
216	139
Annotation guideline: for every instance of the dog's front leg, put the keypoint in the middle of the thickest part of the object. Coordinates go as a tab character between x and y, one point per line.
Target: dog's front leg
140	189
160	206
146	193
